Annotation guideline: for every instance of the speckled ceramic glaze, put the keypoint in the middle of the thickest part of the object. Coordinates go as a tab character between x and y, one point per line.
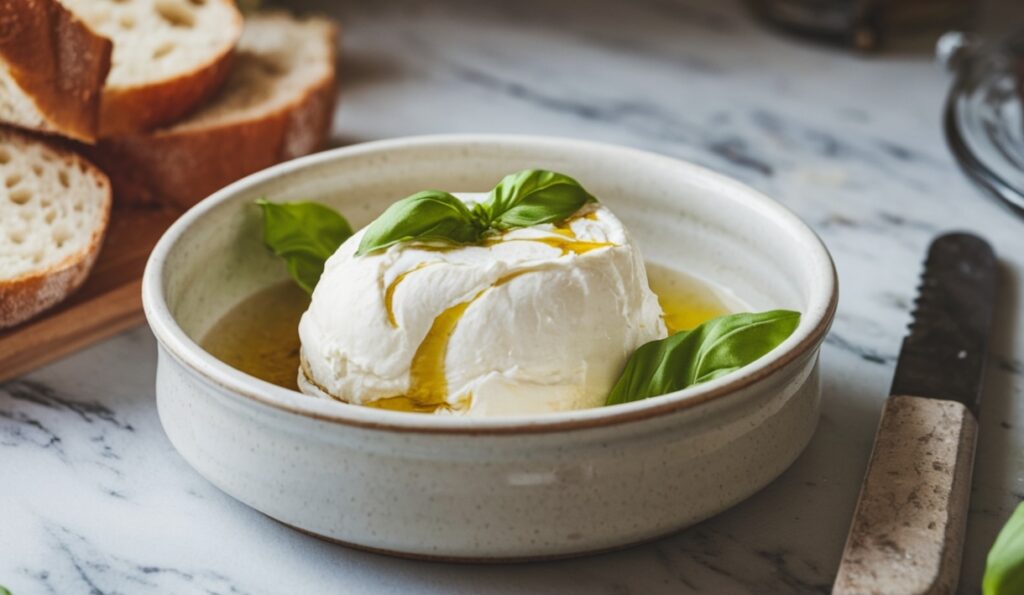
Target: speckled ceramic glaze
500	488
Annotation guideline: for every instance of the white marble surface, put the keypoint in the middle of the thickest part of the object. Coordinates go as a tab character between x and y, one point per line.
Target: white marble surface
95	500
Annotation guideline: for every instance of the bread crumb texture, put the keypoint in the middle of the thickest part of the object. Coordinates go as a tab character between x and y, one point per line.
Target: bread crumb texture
279	58
16	107
159	39
54	209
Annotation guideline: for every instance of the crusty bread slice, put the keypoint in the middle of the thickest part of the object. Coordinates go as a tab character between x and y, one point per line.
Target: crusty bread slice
54	208
169	56
52	69
278	104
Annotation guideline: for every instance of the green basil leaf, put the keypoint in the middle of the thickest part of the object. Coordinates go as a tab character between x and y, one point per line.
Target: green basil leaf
4	591
715	348
426	216
532	197
305	234
1004	568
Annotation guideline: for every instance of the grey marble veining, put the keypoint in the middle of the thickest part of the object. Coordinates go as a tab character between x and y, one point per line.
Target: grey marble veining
95	500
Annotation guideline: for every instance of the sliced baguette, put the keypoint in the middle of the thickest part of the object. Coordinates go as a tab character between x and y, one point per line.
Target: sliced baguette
278	104
52	69
169	56
54	209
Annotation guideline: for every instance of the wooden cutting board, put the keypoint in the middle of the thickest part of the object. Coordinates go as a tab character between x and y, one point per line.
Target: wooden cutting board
109	302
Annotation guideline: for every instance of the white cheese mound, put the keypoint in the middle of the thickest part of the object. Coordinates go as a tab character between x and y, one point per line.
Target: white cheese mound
540	327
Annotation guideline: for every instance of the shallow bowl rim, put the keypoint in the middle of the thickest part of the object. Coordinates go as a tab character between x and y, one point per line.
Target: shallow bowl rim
805	340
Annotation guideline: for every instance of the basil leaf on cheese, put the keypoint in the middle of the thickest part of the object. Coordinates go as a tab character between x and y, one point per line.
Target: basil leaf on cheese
529	197
305	234
426	216
713	349
532	197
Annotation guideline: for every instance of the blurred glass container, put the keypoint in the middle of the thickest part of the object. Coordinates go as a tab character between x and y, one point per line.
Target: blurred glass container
865	24
984	115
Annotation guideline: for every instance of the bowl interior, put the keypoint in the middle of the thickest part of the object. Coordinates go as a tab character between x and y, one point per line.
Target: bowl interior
683	217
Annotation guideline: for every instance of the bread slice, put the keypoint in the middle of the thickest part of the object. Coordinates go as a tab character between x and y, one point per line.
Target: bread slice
169	56
277	104
54	208
52	69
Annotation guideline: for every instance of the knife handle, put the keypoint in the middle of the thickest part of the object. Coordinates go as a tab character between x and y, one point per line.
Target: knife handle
907	533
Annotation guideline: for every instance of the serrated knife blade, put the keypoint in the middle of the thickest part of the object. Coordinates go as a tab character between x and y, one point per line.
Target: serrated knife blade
944	354
907	531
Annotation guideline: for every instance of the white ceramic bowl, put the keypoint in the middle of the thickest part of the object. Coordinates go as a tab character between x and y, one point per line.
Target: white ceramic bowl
501	488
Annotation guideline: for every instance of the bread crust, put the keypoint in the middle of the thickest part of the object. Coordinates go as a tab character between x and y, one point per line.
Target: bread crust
27	295
58	62
181	166
138	108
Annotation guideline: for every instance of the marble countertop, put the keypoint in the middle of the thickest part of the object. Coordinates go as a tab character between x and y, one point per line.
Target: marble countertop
95	500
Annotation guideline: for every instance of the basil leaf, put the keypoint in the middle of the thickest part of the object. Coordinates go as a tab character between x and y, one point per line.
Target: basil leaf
430	215
532	197
522	199
305	234
4	591
1004	568
715	348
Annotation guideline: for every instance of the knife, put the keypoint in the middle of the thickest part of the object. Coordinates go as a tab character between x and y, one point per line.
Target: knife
908	530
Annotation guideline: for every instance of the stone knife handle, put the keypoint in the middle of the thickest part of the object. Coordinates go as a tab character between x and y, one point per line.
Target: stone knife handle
907	533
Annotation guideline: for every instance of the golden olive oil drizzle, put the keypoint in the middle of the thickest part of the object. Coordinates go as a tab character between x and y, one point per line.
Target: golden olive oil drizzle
260	335
591	216
576	247
428	383
571	246
565	240
389	292
428	386
681	315
403	403
685	302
